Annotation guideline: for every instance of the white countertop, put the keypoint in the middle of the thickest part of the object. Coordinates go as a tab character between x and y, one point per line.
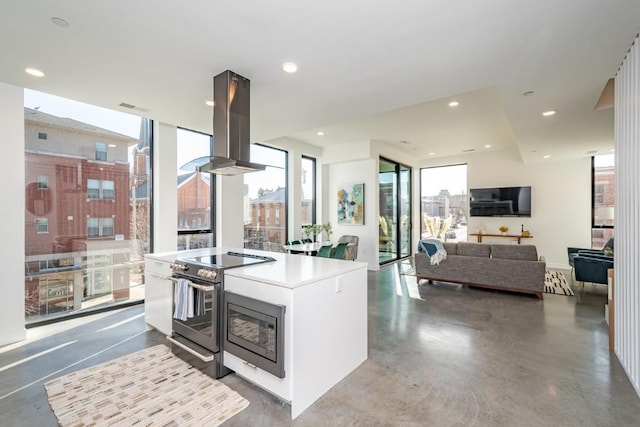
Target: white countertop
290	271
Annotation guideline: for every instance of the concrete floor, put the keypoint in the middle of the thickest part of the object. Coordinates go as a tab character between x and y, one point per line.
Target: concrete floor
439	355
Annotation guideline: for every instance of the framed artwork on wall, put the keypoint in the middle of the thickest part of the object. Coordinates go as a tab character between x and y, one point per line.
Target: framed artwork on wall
351	204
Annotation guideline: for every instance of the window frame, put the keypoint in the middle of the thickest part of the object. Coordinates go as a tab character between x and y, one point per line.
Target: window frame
212	198
596	184
42	182
313	186
99	152
42	221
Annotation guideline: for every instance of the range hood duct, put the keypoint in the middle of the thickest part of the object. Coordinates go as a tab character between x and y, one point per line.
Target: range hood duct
231	145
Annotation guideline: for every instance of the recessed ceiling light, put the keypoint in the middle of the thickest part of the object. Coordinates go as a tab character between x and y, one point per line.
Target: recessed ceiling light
487	146
34	72
546	157
612	149
548	113
453	104
112	145
209	102
60	22
528	93
320	133
432	154
290	67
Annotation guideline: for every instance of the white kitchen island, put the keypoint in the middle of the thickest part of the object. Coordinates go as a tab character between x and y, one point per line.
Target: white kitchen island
325	319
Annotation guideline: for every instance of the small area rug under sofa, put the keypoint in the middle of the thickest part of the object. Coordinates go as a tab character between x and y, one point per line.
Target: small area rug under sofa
515	268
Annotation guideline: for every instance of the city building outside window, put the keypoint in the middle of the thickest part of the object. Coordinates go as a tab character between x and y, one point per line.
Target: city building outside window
265	190
87	233
195	192
443	203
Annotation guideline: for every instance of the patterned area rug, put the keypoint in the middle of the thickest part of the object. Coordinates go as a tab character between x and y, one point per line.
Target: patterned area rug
151	387
556	283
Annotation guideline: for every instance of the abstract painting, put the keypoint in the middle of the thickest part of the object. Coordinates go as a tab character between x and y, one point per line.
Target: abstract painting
351	204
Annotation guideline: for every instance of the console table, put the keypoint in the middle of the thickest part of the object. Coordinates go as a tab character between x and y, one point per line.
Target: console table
513	236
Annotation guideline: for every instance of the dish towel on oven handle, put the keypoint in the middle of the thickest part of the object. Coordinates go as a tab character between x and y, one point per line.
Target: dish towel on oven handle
183	292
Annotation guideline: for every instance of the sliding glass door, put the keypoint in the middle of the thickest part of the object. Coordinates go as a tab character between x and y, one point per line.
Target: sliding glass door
394	231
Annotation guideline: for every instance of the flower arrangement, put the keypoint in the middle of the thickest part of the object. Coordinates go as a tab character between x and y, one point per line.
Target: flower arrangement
503	228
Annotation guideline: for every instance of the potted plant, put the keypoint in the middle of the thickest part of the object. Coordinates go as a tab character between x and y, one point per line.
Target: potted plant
327	229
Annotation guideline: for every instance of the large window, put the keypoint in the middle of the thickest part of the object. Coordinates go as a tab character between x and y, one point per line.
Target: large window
195	192
266	194
394	231
443	203
87	206
602	219
308	186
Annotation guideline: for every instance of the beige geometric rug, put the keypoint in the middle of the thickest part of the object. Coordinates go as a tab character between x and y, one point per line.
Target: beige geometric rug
555	282
151	387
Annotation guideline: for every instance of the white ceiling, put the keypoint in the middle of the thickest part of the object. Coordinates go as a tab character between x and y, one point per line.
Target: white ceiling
376	69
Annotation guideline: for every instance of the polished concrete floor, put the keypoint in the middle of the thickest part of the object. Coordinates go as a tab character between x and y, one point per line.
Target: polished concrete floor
439	355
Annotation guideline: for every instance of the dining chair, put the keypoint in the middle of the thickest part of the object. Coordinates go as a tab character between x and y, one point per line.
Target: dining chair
294	242
339	251
307	241
352	249
324	251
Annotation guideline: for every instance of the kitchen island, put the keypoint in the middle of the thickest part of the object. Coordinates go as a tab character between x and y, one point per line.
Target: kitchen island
325	327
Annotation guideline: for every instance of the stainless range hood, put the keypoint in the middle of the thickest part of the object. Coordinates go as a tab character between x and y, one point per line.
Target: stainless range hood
231	145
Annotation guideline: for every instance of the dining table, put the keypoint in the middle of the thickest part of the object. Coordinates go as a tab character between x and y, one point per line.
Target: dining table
307	248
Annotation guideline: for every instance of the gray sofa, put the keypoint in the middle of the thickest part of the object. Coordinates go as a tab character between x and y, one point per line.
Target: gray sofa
514	268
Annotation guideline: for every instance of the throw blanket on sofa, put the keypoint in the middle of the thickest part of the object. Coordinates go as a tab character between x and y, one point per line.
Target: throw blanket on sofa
433	248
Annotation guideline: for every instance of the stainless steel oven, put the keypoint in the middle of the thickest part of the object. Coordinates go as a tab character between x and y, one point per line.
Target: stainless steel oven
254	331
198	306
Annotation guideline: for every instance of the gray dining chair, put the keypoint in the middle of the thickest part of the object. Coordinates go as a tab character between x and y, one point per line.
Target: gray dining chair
352	249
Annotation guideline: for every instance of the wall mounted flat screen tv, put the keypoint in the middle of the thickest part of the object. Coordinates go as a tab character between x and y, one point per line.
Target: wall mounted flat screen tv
500	201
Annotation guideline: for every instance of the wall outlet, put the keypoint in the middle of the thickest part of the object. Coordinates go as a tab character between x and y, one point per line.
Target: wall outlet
338	284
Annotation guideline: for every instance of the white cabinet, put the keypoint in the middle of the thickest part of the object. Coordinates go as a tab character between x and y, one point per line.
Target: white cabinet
158	297
325	334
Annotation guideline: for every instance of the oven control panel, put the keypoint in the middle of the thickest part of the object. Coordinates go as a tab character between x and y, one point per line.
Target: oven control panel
207	274
177	266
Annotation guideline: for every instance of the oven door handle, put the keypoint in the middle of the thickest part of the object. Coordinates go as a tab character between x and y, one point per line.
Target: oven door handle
196	286
204	358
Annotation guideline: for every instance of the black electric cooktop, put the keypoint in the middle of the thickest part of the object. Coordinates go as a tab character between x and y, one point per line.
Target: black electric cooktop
229	260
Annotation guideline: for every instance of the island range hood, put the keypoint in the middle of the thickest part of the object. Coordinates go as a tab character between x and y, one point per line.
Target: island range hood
231	145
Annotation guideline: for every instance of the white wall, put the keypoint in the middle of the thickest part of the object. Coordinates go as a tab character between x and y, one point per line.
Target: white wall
165	191
12	214
362	171
627	208
560	199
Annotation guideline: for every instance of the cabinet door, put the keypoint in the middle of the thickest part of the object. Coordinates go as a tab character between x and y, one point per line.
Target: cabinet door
158	299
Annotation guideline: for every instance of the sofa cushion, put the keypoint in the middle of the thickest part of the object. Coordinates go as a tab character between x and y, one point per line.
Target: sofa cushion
451	248
474	249
517	252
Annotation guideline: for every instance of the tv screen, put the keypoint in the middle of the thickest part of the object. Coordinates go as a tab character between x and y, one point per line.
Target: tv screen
500	201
